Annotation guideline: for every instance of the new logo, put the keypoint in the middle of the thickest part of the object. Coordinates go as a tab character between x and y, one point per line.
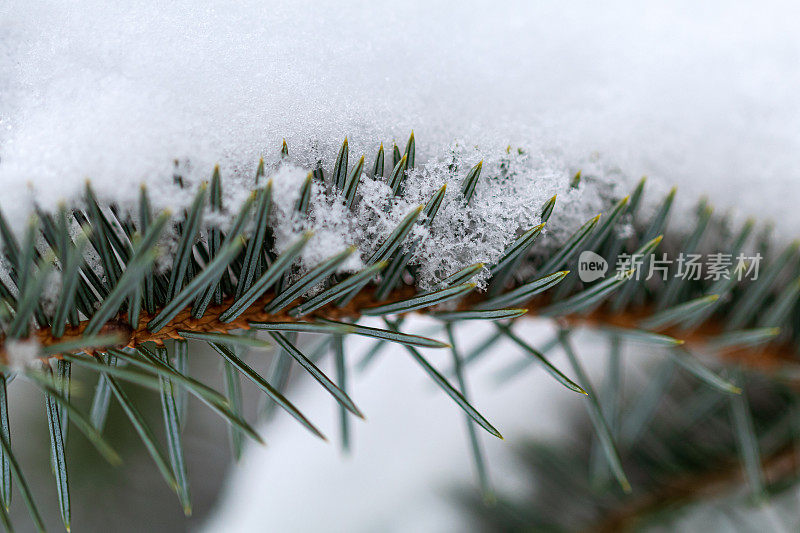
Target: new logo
591	266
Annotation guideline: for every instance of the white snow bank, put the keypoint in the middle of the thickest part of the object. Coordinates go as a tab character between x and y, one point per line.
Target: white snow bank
407	458
412	453
113	91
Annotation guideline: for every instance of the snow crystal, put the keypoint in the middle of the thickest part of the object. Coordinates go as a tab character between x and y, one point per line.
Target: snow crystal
508	200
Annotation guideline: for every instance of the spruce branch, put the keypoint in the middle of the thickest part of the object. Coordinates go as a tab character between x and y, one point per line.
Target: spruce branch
222	285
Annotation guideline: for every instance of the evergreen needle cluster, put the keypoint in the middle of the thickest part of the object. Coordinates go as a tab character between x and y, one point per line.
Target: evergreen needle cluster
121	316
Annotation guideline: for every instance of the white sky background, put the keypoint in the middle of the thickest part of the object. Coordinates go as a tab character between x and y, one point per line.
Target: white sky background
703	96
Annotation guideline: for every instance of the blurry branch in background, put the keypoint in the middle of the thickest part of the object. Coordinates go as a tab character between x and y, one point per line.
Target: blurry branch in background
682	445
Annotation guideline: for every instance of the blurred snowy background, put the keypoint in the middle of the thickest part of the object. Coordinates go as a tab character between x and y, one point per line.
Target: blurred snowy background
412	453
704	96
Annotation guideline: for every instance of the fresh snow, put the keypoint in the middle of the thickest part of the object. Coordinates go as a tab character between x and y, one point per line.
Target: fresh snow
116	93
